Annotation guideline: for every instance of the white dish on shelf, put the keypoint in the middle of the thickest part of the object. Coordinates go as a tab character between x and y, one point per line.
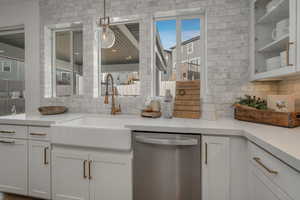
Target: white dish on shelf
272	5
273	63
283	58
282	28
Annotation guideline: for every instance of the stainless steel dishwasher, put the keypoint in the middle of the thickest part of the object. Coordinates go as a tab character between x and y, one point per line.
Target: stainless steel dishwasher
167	166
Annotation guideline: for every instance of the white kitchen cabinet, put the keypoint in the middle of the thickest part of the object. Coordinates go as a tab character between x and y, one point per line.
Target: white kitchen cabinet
262	188
39	169
270	178
13	166
111	177
91	175
69	176
215	168
263	44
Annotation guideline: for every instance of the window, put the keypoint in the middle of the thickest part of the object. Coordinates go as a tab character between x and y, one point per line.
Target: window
171	34
12	68
121	60
7	66
67	64
190	48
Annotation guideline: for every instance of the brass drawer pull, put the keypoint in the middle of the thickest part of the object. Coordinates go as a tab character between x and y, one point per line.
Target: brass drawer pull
8	132
264	166
90	167
7	141
46	162
84	169
38	134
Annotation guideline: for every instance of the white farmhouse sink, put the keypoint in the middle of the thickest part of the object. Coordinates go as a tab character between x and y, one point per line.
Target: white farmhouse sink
95	132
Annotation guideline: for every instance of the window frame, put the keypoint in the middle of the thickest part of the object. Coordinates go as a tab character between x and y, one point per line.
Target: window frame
179	16
116	21
53	56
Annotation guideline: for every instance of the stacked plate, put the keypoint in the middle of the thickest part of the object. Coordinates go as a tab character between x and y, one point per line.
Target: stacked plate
273	63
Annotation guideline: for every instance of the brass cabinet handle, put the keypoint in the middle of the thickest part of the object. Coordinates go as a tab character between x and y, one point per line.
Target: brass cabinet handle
46	162
8	132
84	169
264	166
205	153
90	167
38	134
8	141
288	54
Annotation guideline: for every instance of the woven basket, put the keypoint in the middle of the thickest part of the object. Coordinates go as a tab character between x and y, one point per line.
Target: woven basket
52	110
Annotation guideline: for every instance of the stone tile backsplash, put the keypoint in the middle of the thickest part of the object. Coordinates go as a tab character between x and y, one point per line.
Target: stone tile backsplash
227	51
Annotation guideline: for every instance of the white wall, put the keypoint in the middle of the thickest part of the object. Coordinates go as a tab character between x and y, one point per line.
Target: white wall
20	12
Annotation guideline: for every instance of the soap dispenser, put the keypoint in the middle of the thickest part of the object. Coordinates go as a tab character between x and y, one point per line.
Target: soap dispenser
168	105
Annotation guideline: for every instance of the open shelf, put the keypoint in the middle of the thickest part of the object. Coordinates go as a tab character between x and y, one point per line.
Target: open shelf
278	45
275	74
280	12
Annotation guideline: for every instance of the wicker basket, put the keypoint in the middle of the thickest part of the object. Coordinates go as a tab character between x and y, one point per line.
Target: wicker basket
52	110
283	119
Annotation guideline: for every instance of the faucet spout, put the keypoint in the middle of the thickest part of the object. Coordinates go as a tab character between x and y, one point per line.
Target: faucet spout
114	108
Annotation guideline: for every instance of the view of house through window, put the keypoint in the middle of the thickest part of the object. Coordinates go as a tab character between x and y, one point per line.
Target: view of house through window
68	62
12	76
177	52
121	60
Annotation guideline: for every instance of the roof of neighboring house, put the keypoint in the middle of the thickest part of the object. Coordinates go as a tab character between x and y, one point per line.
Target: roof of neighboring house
187	41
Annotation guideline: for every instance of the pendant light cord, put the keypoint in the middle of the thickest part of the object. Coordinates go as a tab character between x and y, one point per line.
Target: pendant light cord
104	8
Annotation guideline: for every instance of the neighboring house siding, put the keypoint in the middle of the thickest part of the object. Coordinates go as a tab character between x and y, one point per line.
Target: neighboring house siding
16	72
16	64
190	57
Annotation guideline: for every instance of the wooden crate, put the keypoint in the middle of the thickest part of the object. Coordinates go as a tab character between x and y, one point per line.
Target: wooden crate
283	119
187	100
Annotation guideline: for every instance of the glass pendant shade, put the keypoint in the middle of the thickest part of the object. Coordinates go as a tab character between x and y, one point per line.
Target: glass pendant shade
107	38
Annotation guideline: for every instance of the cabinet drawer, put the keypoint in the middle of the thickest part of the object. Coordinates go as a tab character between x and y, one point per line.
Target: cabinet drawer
12	131
39	133
287	178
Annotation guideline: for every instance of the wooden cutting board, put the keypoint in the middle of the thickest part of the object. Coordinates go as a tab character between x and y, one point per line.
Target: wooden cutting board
187	100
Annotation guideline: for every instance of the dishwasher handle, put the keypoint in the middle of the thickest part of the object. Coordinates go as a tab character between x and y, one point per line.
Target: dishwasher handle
167	141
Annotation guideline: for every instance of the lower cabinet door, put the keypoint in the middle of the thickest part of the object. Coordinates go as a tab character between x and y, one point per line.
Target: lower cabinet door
13	166
70	176
111	177
216	168
39	169
262	188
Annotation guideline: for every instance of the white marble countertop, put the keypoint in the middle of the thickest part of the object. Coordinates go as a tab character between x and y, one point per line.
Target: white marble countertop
38	120
284	143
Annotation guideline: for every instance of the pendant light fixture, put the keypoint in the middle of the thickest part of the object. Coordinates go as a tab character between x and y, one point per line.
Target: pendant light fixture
107	35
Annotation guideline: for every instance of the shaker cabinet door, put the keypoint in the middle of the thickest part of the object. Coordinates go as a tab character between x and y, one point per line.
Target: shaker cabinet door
13	166
70	176
39	169
111	177
215	168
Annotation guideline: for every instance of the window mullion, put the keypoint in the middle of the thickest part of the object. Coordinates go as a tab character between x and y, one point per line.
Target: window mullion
54	64
178	47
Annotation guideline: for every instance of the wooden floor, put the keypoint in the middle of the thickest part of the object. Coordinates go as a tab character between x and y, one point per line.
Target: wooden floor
14	197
